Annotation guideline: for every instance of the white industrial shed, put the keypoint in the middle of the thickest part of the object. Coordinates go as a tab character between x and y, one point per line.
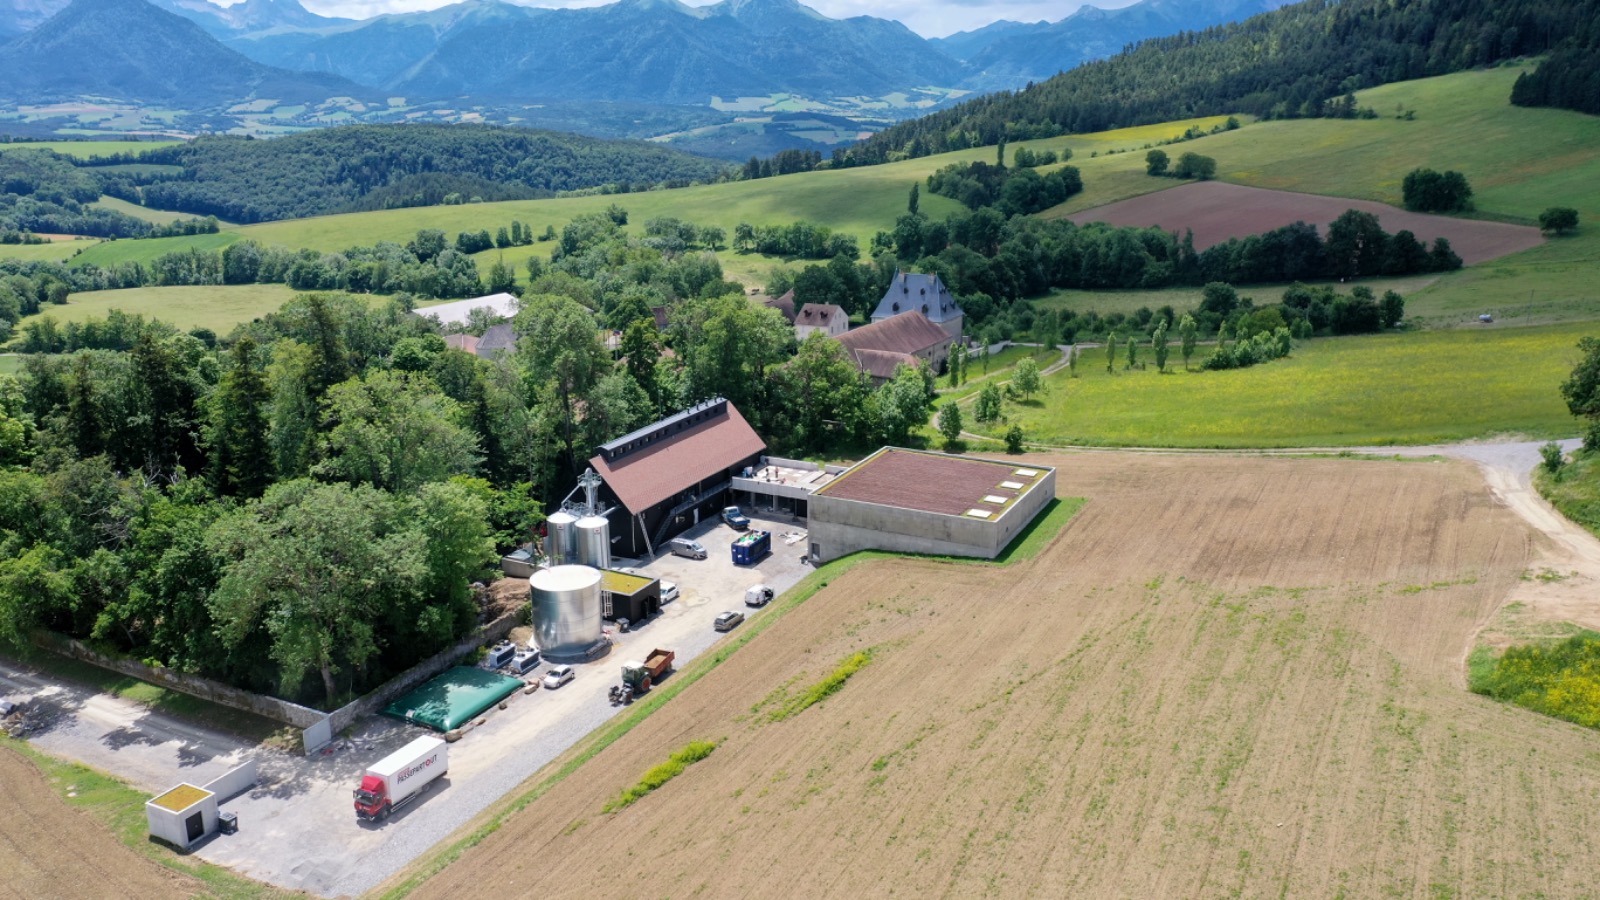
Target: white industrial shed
456	311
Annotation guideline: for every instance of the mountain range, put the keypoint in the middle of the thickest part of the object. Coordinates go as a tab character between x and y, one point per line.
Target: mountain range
129	50
490	60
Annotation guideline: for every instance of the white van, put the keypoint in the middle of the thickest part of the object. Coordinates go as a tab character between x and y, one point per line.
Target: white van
758	595
686	547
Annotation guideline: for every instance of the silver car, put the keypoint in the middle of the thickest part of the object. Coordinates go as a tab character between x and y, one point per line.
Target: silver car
557	676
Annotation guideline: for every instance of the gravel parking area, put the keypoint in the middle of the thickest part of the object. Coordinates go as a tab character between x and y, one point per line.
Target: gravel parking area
299	830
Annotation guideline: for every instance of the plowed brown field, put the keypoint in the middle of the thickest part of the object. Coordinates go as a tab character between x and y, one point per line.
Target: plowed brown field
1217	211
1227	676
48	849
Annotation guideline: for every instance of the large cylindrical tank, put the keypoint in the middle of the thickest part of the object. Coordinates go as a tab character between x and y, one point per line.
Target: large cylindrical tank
562	547
566	610
593	542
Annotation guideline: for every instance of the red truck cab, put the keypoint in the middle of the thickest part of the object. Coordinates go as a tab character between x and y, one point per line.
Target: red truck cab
372	798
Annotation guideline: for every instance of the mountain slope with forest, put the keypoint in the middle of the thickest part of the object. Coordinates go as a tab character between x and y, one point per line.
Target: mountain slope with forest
333	169
1285	63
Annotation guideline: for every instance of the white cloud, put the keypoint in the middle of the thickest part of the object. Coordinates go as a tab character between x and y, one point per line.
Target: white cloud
930	18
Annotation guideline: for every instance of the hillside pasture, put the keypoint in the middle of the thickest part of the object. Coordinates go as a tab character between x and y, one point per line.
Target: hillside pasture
1408	388
54	251
89	149
145	250
217	307
1226	677
1216	211
156	216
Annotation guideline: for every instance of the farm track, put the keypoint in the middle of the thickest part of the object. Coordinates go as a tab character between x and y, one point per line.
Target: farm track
1230	674
48	849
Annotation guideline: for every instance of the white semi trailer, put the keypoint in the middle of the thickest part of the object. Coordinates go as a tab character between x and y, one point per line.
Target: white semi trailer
400	777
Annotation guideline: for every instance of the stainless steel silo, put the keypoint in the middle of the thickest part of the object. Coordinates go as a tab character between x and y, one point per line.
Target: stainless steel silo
562	543
593	538
566	611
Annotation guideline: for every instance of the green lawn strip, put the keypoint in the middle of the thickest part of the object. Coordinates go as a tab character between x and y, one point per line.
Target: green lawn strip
120	808
1402	388
145	250
1575	490
248	726
999	370
827	687
659	775
1024	546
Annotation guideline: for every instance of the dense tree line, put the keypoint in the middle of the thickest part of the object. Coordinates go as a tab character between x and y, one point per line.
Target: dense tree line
801	240
1296	61
784	162
1568	79
992	262
370	166
1016	191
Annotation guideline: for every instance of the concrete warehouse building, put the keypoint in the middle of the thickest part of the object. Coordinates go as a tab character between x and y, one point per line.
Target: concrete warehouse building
910	501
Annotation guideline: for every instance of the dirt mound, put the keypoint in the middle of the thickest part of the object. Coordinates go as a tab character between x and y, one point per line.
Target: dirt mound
48	849
1218	211
1229	675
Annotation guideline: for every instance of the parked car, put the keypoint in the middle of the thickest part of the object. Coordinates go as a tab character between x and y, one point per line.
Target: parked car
728	621
736	518
525	661
557	676
669	591
758	595
686	547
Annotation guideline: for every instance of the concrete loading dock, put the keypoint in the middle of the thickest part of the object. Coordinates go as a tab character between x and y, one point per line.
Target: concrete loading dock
909	501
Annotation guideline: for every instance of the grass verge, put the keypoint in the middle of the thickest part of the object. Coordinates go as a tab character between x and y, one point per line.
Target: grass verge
1574	490
121	809
659	775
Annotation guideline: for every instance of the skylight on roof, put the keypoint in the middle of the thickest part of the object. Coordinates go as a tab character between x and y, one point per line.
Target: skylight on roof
1012	485
979	513
993	499
1026	473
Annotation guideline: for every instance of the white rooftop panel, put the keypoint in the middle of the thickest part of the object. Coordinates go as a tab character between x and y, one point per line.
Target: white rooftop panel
979	513
1012	485
993	499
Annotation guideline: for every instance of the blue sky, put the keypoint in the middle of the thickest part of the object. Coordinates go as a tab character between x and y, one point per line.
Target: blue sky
930	18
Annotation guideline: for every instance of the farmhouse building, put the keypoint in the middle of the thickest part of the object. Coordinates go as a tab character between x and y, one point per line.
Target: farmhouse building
783	304
910	501
906	338
923	293
827	318
665	477
497	339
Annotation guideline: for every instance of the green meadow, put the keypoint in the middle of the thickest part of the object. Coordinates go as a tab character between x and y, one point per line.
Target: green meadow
157	216
217	307
89	149
145	250
55	251
1407	388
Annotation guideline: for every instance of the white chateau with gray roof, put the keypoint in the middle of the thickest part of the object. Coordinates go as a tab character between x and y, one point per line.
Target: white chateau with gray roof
925	294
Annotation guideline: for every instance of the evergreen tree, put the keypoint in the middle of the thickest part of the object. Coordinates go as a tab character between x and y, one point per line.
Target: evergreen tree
236	434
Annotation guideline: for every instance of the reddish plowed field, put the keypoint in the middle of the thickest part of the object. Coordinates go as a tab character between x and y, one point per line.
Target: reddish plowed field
1217	211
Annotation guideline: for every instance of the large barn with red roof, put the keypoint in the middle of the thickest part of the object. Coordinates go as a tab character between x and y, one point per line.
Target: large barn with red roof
665	477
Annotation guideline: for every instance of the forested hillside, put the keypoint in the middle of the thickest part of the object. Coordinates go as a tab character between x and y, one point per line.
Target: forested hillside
338	169
1282	64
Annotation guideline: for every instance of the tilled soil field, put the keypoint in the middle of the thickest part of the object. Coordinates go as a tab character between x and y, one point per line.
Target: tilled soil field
48	849
1227	676
1217	211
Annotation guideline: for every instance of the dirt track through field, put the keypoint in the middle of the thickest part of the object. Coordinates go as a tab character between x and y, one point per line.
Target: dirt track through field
1229	675
1217	211
48	849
